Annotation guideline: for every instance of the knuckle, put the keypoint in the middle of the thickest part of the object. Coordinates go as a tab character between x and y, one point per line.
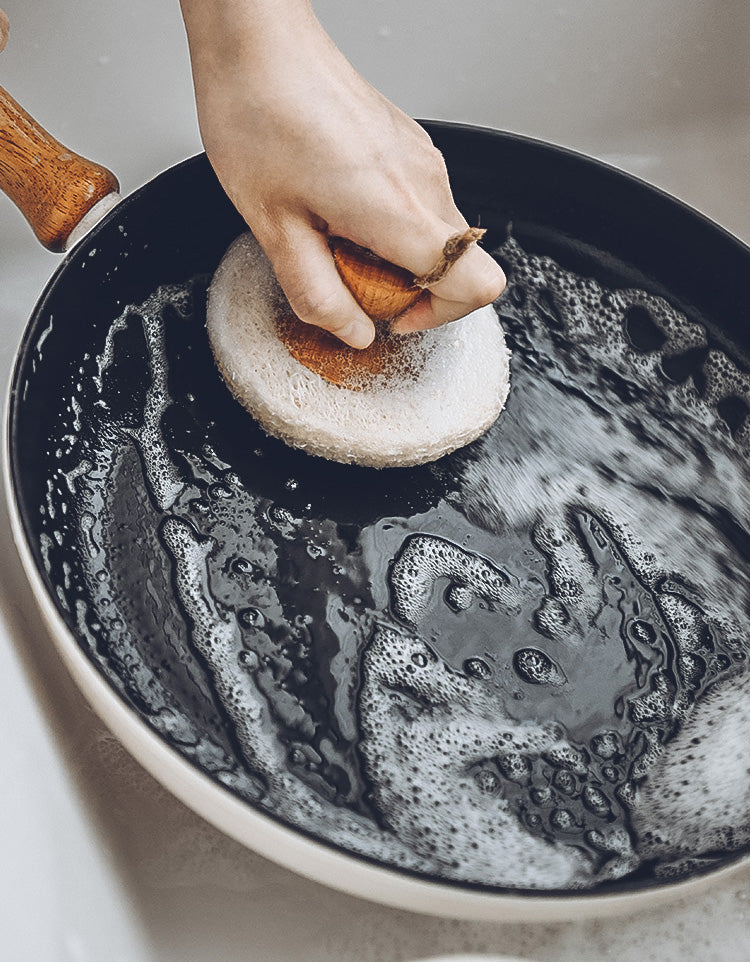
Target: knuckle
428	148
270	232
434	168
320	307
438	168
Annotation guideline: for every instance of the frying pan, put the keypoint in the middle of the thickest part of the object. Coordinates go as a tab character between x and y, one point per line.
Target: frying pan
154	254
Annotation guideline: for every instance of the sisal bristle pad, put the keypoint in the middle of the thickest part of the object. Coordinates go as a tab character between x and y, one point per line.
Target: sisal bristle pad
389	355
395	419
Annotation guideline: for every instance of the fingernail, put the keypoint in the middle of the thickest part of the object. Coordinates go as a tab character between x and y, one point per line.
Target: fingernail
359	334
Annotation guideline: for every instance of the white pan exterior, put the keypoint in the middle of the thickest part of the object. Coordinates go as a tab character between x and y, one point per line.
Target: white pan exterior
660	87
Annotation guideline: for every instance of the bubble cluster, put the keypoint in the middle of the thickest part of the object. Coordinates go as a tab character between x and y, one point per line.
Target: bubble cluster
536	667
591	561
428	739
695	799
424	560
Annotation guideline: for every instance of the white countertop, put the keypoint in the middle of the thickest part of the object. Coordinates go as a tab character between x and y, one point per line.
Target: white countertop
97	862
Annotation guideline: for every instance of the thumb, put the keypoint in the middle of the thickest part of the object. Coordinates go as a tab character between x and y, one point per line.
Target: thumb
305	269
471	281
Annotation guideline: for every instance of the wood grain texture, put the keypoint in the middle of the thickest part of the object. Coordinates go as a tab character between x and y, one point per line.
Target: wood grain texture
383	291
52	186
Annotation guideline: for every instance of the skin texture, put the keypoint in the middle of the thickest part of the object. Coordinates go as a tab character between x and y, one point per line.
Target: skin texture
306	149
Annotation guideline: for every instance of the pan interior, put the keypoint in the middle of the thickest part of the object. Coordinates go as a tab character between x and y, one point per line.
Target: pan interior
509	669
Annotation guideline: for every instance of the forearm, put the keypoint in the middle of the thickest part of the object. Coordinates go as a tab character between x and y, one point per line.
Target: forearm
306	149
224	34
224	17
252	59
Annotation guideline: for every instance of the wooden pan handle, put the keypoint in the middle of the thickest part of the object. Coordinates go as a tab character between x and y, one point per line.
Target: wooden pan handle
52	187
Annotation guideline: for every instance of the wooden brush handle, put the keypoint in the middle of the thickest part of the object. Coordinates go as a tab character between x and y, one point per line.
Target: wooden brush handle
51	186
381	289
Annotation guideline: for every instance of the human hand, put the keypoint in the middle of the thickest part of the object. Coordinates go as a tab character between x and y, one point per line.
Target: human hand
4	29
306	149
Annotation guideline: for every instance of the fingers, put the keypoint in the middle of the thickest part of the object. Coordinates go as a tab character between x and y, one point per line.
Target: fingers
474	280
416	243
304	267
303	264
4	29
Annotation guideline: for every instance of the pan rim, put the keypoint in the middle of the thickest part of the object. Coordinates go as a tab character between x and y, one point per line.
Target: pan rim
289	847
579	156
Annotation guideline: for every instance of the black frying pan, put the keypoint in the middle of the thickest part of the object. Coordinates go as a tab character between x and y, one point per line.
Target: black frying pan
99	533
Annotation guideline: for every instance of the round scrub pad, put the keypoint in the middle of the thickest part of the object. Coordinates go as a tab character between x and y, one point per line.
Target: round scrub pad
437	391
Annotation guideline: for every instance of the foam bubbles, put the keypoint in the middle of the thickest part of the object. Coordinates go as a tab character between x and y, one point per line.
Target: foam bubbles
217	639
163	477
591	566
696	798
650	435
424	559
421	765
536	667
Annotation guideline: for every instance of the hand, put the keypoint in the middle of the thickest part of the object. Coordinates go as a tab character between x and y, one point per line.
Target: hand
4	29
306	149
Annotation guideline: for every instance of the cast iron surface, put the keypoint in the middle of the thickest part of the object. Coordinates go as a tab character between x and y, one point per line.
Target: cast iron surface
590	218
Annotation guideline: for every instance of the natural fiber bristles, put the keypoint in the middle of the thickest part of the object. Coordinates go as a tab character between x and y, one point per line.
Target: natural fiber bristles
455	247
460	390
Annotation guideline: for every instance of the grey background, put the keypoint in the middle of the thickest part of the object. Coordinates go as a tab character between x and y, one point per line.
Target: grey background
96	861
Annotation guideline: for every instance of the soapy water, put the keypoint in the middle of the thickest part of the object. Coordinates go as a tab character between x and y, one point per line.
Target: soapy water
522	668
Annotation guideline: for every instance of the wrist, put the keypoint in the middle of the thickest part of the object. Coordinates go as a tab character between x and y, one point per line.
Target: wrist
245	34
